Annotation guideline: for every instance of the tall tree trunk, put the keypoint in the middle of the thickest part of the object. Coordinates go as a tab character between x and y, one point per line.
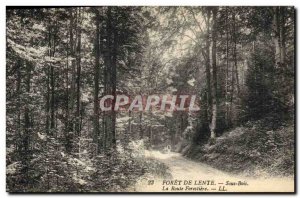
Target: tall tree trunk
27	124
96	82
227	72
66	133
71	92
114	81
48	86
107	117
78	64
233	76
18	105
235	53
213	124
52	80
207	68
52	103
104	47
26	114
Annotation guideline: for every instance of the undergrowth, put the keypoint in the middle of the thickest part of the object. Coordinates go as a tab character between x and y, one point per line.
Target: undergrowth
252	149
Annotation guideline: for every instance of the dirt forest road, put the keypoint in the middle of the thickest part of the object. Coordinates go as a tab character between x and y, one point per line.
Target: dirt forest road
191	176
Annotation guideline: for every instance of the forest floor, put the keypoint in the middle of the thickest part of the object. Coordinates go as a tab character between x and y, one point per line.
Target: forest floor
182	168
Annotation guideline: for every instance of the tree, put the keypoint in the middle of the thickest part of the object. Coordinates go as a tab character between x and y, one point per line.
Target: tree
96	79
215	82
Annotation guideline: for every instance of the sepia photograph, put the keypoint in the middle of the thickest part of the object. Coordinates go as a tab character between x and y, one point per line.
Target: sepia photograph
150	99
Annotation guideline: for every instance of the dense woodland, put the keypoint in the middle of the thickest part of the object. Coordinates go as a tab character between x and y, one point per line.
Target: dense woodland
239	61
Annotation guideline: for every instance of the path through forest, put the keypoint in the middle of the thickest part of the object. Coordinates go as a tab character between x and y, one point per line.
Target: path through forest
182	168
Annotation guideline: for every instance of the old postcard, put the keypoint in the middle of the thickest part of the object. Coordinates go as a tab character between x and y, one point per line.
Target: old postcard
150	99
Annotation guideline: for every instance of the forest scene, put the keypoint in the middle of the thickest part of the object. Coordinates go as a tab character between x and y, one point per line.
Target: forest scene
236	64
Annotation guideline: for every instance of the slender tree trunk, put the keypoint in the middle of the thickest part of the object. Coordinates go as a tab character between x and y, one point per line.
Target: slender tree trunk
52	103
107	117
52	80
73	83
114	81
207	68
105	88
67	138
96	82
78	64
233	76
18	91
26	113
72	86
48	87
227	73
213	125
235	53
27	124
